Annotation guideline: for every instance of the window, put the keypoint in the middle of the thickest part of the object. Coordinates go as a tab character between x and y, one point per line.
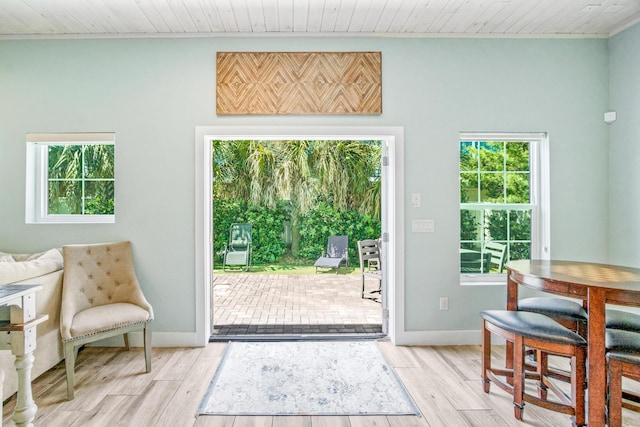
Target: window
503	202
70	178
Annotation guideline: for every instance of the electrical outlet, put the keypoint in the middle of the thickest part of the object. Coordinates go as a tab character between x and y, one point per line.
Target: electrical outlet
416	200
444	303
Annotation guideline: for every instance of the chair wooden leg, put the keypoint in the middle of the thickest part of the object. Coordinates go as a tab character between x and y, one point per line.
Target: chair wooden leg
508	363
362	294
147	346
542	370
70	361
579	370
486	357
518	377
615	394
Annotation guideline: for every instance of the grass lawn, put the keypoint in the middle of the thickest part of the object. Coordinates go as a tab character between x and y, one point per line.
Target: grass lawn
292	269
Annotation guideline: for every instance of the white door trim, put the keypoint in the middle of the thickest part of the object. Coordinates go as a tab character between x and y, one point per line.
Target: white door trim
394	214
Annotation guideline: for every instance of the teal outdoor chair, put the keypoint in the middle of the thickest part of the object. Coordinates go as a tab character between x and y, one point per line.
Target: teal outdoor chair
237	253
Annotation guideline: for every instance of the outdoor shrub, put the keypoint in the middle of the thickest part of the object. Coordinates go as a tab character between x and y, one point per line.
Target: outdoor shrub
267	228
325	220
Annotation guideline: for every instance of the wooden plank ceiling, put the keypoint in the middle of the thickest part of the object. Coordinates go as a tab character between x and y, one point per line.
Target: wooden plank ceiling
174	18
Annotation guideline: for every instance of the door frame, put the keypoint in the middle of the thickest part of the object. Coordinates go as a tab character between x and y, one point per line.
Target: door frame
392	210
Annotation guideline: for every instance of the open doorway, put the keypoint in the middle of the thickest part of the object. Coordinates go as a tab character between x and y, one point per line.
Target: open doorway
281	208
392	210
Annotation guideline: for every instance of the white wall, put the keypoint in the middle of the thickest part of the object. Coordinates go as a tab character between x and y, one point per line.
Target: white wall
153	92
624	141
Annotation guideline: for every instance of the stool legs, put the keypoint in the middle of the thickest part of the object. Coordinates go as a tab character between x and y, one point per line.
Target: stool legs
518	377
614	405
542	369
578	385
486	356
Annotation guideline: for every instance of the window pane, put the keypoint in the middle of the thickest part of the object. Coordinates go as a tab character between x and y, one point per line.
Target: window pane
519	250
65	161
99	198
518	156
474	261
520	225
468	156
492	156
518	188
511	228
492	187
469	187
98	161
497	225
470	228
65	198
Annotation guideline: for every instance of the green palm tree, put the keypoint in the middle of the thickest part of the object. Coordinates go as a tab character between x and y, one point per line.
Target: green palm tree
81	179
301	172
295	183
349	174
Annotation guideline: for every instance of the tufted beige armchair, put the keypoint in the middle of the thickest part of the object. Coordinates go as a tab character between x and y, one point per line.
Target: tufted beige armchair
101	298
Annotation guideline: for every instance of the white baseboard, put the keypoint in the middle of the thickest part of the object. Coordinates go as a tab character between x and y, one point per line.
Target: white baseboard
158	339
473	337
408	338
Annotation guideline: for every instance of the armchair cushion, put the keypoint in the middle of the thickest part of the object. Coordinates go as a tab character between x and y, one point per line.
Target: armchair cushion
105	318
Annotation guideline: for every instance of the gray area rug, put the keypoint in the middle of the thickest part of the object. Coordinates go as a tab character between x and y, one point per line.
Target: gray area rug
305	378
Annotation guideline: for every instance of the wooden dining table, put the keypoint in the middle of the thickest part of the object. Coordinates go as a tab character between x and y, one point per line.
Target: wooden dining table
597	285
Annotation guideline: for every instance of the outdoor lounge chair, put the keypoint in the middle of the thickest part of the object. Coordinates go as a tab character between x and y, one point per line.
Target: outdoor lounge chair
370	263
336	255
237	253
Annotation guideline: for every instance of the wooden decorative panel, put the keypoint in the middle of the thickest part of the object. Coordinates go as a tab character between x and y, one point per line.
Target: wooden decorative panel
299	83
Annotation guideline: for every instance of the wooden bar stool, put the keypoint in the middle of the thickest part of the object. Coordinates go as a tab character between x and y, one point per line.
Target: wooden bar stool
538	332
570	314
623	360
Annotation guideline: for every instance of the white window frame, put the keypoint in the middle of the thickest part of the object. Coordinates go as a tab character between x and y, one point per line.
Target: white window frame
539	188
37	172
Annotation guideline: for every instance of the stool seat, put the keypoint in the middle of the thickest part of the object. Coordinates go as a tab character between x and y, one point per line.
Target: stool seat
533	325
560	308
620	340
524	330
617	319
622	356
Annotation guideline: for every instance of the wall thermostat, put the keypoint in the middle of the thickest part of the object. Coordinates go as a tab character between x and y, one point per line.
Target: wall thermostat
610	117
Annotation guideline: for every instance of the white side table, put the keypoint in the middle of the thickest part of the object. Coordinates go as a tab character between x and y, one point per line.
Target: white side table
19	333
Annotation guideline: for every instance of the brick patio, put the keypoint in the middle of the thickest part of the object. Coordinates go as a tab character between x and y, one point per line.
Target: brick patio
324	303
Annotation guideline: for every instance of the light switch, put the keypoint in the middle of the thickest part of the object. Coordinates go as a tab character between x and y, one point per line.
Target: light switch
423	226
416	200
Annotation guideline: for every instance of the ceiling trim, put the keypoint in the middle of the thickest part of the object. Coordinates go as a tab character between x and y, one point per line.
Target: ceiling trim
307	35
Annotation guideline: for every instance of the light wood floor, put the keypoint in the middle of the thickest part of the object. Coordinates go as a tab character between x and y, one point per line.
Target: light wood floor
112	390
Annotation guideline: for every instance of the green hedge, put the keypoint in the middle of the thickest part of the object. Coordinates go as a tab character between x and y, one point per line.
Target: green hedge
325	220
268	229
